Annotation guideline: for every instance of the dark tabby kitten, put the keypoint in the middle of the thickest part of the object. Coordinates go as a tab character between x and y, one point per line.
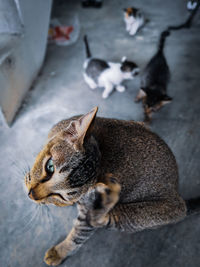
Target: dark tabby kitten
121	175
154	81
156	75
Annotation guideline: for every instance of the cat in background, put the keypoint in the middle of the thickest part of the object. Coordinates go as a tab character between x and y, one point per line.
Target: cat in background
156	75
134	20
109	75
192	4
120	174
91	3
154	81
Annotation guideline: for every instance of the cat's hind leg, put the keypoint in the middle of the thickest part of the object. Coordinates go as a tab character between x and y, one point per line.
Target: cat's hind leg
147	214
89	81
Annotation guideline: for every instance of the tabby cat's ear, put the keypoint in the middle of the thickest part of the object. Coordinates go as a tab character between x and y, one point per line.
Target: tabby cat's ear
79	130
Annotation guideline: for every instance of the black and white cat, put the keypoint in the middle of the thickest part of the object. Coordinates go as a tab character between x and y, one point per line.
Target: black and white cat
134	20
154	81
109	75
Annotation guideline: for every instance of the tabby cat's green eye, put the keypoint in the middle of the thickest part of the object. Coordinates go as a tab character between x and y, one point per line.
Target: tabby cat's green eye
49	166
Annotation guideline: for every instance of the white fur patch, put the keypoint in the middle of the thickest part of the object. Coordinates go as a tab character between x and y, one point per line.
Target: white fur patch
86	63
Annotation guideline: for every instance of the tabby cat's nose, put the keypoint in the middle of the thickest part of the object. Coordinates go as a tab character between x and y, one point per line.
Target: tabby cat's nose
32	195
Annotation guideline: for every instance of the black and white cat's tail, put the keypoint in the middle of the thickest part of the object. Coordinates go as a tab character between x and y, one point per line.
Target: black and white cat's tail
193	206
163	36
87	48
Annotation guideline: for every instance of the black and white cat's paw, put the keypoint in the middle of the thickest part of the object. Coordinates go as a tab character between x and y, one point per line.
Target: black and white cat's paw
120	88
106	93
108	90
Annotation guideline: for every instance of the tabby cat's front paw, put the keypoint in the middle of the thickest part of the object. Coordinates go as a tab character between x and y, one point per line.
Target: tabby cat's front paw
101	199
52	257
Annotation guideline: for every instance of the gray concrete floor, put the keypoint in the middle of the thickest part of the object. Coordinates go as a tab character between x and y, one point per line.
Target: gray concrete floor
27	230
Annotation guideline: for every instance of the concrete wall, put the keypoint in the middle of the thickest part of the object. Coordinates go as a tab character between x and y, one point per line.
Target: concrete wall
23	40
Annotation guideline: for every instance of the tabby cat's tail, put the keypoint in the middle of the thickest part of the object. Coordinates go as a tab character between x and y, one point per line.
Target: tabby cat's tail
193	206
163	36
87	48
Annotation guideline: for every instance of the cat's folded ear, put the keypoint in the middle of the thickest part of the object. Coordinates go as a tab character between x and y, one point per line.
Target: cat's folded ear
79	130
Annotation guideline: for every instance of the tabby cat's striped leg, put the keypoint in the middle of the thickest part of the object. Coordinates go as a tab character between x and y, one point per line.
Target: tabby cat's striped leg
77	236
93	211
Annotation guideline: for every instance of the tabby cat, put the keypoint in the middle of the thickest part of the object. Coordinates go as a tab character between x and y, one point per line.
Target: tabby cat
120	175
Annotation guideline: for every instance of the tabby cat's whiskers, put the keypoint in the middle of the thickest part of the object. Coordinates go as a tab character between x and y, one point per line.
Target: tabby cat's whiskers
28	222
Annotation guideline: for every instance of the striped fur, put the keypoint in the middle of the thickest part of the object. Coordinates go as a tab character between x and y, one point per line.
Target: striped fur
120	174
92	213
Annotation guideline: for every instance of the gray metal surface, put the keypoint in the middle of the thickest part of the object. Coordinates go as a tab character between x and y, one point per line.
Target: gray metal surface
23	38
26	230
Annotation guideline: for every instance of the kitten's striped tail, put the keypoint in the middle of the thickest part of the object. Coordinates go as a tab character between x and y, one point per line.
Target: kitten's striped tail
88	53
193	206
163	36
